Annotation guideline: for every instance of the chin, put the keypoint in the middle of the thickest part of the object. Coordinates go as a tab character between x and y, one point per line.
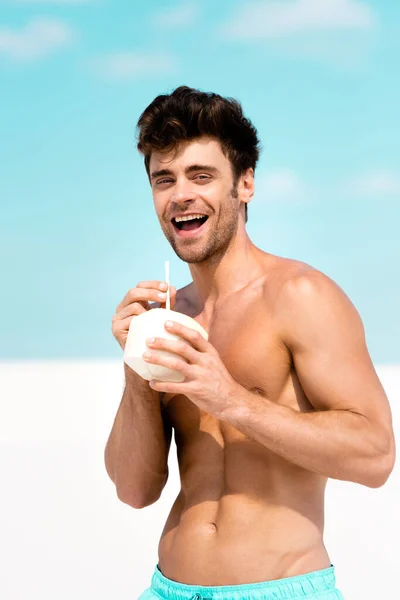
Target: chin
192	257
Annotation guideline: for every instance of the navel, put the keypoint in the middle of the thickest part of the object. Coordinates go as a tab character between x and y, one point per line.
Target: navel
211	527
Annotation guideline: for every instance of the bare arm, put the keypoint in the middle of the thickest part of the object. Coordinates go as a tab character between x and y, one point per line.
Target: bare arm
349	436
136	454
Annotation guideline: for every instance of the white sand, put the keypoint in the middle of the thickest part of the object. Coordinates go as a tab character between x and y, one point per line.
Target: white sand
64	533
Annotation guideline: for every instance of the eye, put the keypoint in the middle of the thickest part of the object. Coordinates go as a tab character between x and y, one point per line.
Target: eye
202	177
162	181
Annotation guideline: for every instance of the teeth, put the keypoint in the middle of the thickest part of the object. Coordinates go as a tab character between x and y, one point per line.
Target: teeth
188	218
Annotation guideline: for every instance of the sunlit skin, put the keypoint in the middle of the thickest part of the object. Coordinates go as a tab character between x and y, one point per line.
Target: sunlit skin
197	178
282	396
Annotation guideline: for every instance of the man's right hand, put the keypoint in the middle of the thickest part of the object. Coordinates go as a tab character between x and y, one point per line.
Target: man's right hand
136	302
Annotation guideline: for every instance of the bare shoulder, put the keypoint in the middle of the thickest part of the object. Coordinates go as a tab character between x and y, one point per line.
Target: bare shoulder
291	277
309	300
281	272
303	283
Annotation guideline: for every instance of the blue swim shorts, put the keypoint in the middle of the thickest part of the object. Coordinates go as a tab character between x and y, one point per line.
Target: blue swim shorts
318	585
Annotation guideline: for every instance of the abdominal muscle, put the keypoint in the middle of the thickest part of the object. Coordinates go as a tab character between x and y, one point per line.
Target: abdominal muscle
237	522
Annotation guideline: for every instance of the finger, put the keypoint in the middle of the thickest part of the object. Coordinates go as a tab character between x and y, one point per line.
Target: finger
171	362
130	310
120	330
168	387
121	324
159	285
189	334
144	295
172	291
179	347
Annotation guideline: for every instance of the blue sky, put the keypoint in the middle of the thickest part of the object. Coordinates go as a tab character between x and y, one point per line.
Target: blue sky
318	78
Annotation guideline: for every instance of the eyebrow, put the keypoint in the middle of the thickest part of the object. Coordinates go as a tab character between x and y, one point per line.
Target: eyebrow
188	170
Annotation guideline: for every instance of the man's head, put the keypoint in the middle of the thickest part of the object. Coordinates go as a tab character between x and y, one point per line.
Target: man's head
200	155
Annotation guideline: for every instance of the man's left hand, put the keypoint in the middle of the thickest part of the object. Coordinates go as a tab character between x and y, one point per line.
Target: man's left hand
207	382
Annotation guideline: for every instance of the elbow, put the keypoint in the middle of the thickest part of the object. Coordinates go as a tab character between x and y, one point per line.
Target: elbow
136	503
378	476
146	503
140	500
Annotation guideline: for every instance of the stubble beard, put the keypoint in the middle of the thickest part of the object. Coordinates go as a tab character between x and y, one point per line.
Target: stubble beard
219	239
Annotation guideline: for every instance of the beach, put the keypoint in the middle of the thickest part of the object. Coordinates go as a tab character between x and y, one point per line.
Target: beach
65	533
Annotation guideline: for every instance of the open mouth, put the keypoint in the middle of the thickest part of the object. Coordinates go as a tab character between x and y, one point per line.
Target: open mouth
189	224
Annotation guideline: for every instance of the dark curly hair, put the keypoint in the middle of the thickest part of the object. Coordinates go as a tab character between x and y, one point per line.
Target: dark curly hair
188	113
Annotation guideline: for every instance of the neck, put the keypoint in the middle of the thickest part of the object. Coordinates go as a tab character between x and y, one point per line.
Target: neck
219	277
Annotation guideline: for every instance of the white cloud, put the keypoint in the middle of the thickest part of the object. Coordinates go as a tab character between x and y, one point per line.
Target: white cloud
375	184
346	52
272	19
182	15
125	66
35	40
280	186
285	185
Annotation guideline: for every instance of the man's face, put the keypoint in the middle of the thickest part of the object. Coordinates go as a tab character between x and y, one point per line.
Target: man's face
195	179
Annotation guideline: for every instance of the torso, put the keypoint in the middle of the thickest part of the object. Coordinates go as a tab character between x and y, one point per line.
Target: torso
244	514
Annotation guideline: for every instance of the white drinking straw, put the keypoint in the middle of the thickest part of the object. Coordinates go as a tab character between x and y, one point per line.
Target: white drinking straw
167	280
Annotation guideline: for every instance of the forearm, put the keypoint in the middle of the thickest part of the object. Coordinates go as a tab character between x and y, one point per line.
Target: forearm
136	453
336	444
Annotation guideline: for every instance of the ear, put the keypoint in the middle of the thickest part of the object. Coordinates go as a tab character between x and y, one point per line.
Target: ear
246	186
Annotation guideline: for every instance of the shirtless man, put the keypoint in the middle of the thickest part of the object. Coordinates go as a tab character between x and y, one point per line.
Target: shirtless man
282	396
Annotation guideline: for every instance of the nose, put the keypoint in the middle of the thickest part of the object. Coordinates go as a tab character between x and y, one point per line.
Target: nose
183	191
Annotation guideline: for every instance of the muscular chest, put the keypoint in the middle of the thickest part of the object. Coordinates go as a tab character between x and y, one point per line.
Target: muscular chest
248	343
249	347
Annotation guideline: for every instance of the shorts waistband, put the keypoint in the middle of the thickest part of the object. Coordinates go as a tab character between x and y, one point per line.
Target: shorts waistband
288	588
